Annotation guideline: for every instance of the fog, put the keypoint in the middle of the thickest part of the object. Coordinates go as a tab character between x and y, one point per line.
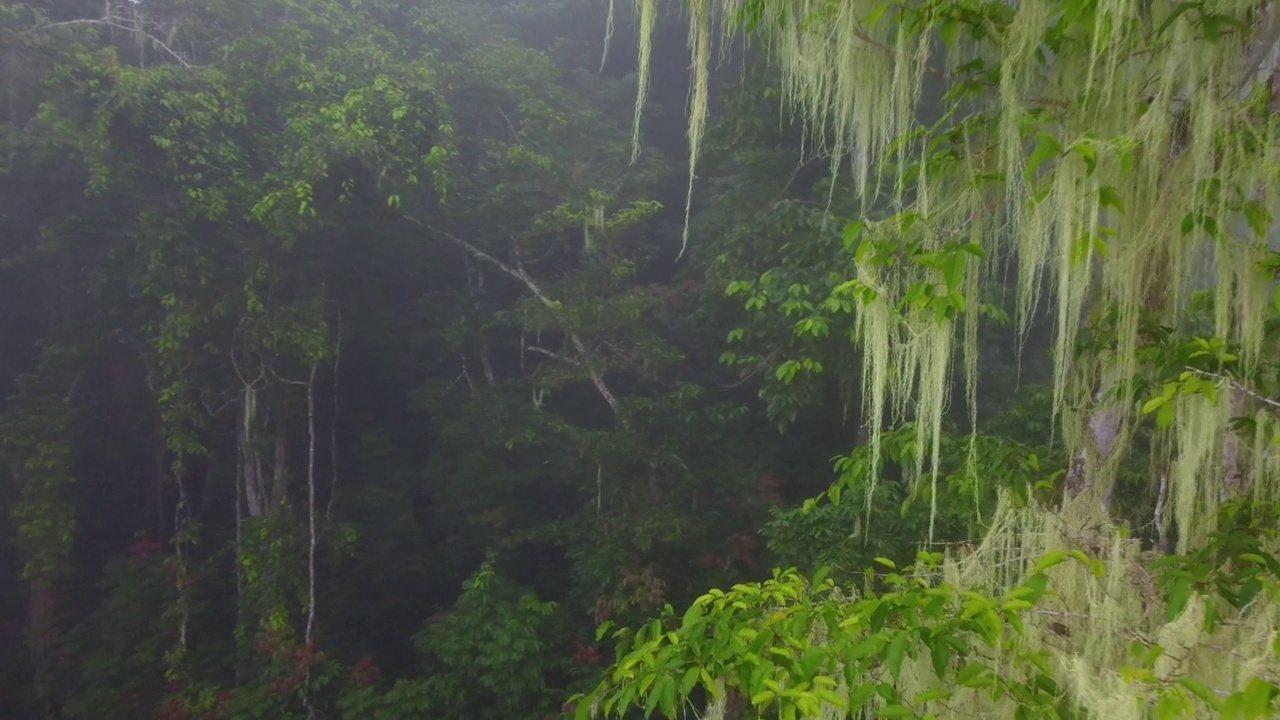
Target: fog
350	372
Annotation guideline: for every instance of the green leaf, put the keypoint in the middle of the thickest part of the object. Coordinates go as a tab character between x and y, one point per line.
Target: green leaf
876	14
1108	196
763	698
1213	24
828	696
1048	560
894	654
820	574
709	684
929	695
691	617
1258	217
1210	224
859	696
651	703
667	695
1031	589
1188	223
1177	598
955	272
852	232
940	655
949	30
971	674
1178	10
1047	147
1084	149
1153	404
1201	691
1249	590
1014	606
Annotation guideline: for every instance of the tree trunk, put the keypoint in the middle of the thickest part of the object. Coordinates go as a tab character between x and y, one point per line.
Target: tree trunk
278	474
42	631
1097	445
1231	473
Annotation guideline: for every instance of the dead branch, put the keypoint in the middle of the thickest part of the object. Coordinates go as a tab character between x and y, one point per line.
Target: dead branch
111	22
1230	380
517	272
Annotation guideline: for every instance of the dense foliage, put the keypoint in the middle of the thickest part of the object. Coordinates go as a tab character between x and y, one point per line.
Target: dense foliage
1117	163
376	359
348	370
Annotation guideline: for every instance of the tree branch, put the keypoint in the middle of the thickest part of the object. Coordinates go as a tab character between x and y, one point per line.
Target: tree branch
517	272
1230	380
113	23
550	354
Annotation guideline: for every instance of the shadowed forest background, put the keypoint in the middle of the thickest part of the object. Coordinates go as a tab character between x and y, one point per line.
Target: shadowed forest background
211	310
353	369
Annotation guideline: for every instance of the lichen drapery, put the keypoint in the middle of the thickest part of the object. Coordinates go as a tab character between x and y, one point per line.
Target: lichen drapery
1123	151
1126	154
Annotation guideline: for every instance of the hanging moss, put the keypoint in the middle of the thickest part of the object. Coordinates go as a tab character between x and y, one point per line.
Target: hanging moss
1108	153
647	12
1114	153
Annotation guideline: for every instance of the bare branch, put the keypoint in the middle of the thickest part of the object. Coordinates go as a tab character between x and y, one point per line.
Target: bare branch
113	23
550	354
1230	380
518	272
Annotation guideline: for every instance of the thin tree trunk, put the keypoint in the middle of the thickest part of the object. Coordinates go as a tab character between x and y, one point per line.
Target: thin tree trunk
239	554
179	517
1102	431
41	625
1164	543
1231	474
1258	60
161	455
250	462
309	634
279	473
333	425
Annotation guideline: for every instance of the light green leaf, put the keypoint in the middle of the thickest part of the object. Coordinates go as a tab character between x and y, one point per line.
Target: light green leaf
1047	147
1108	196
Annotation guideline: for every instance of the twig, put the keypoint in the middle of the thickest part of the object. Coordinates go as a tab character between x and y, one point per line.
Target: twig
1230	380
510	125
550	354
887	50
741	382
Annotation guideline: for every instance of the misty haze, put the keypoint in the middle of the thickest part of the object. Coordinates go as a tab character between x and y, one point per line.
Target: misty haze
716	359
